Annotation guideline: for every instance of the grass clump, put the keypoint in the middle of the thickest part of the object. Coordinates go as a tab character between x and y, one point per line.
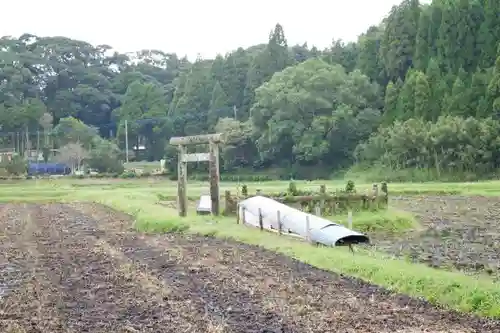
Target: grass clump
164	226
389	221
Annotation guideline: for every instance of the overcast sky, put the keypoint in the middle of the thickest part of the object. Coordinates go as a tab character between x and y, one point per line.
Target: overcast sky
189	27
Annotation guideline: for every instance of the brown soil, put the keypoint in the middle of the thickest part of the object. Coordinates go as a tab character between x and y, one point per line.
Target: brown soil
458	232
80	268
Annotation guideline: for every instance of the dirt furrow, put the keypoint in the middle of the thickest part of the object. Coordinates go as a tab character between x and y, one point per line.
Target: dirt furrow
32	303
83	269
245	284
457	232
100	293
226	301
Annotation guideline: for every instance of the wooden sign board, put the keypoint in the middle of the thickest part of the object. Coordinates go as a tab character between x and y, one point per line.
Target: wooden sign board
196	157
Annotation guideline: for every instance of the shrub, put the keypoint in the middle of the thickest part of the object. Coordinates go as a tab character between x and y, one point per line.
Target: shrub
17	166
350	187
244	190
128	175
106	157
292	188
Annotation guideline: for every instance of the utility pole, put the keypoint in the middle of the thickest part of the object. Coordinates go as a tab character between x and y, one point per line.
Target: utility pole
18	146
235	110
27	146
21	144
126	141
37	146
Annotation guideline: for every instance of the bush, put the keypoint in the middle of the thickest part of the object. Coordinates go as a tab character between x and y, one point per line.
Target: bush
244	190
17	166
379	173
128	175
106	157
227	177
292	189
350	187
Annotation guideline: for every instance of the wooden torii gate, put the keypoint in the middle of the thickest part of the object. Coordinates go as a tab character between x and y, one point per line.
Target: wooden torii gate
212	156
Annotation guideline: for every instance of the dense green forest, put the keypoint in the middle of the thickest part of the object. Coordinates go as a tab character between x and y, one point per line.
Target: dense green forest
420	91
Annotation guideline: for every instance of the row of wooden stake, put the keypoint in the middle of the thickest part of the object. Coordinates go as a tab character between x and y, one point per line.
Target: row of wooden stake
280	224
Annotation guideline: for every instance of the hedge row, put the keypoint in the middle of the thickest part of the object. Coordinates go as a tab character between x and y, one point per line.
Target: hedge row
195	177
230	178
132	175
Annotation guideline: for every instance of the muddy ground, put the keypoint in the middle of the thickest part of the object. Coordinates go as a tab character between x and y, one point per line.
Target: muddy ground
79	268
456	232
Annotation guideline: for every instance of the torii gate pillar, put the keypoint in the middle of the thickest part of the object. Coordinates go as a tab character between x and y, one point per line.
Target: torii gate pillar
212	157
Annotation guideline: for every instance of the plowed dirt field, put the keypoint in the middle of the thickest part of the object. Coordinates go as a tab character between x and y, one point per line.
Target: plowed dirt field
80	268
457	232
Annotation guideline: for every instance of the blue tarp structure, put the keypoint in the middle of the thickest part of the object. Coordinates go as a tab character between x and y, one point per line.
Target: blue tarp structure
293	221
48	169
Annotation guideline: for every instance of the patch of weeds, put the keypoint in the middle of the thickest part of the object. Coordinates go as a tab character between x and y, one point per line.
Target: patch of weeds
385	221
209	233
161	226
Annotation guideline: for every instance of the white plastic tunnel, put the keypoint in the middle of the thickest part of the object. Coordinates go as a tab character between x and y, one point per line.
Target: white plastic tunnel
293	221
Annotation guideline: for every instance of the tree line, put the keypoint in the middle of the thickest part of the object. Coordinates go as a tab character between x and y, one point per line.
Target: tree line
419	90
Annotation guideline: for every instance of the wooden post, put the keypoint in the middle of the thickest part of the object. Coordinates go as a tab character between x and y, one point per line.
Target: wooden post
238	214
261	220
228	206
386	193
322	191
374	201
308	229
182	182
214	177
280	226
243	220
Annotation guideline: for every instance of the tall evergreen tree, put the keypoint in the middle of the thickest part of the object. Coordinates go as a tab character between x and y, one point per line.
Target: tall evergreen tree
437	87
422	96
478	100
489	33
447	44
219	106
391	101
458	102
493	93
398	42
274	58
423	42
406	99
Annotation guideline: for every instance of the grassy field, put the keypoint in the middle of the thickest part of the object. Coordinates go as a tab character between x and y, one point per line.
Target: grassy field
195	188
144	166
141	199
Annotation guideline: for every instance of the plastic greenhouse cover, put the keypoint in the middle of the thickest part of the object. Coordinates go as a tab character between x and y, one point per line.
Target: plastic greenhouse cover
294	221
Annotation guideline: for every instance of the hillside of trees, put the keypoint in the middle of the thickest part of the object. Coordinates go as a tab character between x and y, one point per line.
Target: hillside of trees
420	91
